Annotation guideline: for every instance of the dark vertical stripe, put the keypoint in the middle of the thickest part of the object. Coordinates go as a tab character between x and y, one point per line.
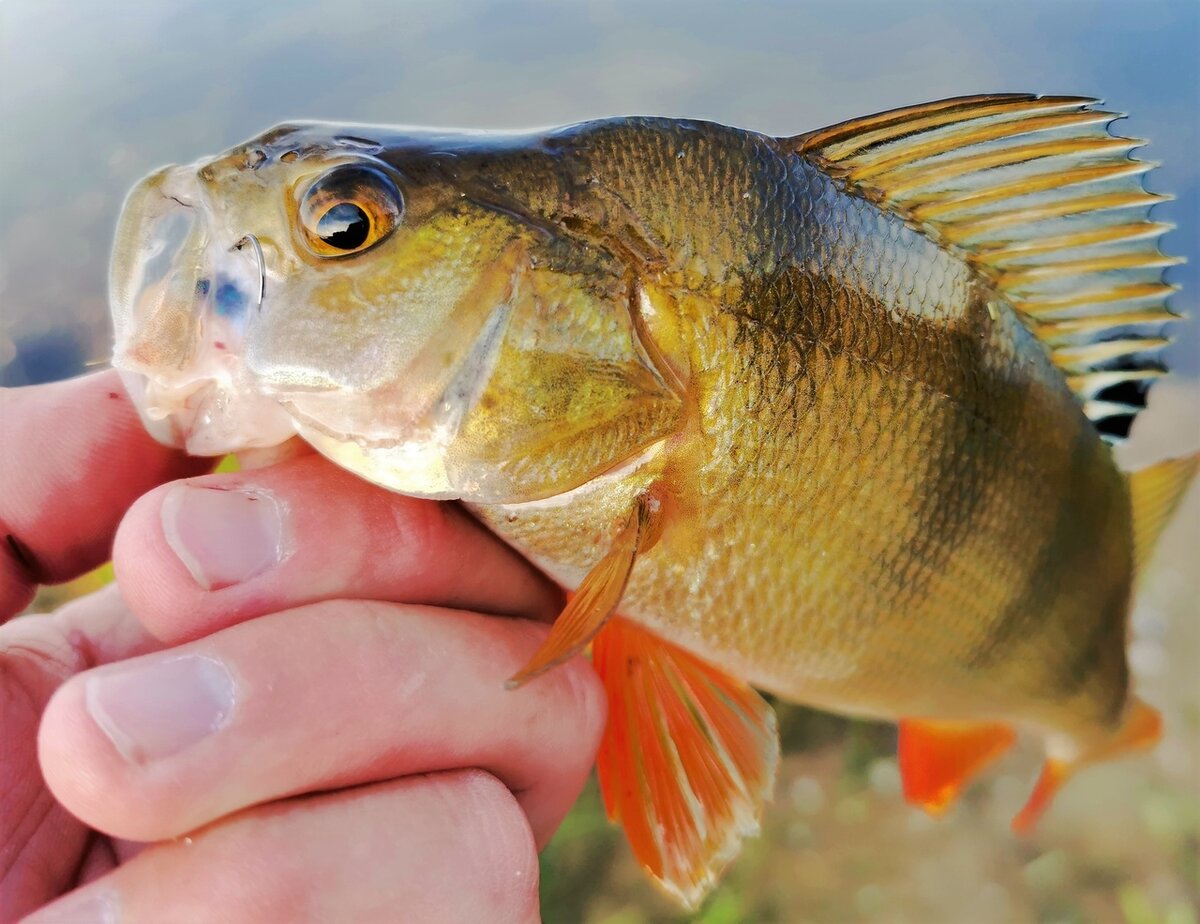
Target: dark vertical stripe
1056	556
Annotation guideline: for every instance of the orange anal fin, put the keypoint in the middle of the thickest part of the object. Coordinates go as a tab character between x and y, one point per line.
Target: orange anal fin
597	596
939	758
1054	774
687	760
1141	729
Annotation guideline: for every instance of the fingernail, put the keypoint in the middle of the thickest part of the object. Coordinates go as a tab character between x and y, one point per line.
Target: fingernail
155	708
94	906
223	537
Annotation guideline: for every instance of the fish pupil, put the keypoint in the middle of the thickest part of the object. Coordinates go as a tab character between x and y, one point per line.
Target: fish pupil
345	226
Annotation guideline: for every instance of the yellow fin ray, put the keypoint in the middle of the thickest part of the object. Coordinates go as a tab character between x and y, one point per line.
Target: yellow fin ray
1155	492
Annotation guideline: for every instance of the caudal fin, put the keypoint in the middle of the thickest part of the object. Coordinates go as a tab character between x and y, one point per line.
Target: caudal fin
1154	493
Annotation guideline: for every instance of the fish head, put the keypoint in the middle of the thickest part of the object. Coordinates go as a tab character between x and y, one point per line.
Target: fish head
401	299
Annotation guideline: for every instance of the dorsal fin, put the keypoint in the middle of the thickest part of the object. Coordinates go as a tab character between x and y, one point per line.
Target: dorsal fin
1040	198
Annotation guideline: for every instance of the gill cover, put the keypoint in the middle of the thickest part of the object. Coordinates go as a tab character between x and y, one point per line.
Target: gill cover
532	387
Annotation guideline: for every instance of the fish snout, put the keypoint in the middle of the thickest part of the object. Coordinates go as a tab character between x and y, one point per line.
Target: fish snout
181	296
158	272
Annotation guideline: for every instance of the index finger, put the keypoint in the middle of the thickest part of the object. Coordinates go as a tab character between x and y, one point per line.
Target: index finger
73	456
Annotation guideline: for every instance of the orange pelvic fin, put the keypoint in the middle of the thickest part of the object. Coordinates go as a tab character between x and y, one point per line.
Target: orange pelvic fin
1141	729
598	595
939	758
687	760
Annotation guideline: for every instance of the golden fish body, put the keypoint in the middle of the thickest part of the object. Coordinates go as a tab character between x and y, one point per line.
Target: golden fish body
874	510
873	487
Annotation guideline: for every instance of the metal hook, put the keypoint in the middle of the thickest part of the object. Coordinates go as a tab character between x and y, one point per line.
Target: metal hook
262	265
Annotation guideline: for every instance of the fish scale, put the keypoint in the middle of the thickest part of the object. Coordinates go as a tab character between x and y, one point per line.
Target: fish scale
824	414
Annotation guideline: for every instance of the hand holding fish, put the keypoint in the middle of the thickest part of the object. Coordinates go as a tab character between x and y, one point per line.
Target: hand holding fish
183	720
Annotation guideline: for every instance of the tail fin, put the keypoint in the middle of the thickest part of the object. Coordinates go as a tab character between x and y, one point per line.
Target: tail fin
1154	493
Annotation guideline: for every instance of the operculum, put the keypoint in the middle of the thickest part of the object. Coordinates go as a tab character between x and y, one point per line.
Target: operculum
553	389
571	392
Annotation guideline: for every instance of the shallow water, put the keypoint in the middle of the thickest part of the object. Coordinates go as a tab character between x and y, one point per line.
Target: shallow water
92	96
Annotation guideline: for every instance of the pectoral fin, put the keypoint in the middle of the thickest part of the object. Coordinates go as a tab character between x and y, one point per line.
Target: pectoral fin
597	597
687	761
939	758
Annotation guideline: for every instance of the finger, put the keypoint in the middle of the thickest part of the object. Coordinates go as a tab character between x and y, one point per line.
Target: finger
331	695
196	556
40	843
73	457
453	847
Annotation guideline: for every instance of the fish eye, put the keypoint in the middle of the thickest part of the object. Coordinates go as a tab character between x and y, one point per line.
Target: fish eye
348	210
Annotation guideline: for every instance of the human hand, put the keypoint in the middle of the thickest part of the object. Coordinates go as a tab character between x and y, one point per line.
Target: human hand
303	752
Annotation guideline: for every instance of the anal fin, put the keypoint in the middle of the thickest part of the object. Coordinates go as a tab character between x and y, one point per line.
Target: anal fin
1141	729
939	758
599	593
687	760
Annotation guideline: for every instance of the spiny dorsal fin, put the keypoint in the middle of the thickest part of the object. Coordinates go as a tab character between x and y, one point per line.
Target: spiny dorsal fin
1040	197
1154	493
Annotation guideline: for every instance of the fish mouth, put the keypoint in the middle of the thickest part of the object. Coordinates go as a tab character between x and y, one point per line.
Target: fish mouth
182	298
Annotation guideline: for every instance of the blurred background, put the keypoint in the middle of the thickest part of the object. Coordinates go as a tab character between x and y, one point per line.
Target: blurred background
94	95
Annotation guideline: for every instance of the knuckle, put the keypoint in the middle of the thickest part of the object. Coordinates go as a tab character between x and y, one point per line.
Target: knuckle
571	693
500	847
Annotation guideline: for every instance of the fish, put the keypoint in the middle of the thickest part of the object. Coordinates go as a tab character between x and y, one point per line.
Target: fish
828	416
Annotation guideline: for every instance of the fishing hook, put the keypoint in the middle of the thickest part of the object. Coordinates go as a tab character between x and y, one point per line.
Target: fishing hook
262	266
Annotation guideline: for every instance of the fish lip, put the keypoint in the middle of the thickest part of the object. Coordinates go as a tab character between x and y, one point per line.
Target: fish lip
178	352
163	428
168	412
207	417
162	220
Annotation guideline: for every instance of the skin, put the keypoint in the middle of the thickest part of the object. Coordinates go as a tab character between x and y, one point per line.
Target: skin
438	810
